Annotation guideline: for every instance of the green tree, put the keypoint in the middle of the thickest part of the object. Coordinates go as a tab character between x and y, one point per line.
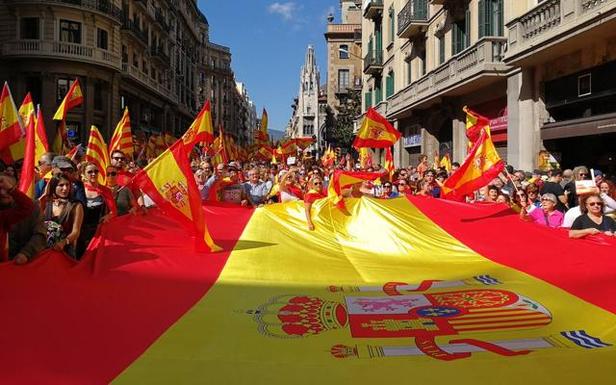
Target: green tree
341	130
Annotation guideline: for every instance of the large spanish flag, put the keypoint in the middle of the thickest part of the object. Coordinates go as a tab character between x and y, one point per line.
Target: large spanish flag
122	138
201	130
97	153
10	123
401	291
376	132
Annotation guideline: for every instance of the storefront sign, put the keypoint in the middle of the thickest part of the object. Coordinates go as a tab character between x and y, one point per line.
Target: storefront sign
412	140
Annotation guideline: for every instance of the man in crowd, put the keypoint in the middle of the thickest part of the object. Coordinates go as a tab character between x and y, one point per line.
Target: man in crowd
14	207
44	166
256	189
233	191
552	186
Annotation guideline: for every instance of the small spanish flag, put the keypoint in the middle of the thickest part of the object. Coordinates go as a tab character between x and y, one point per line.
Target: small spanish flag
10	122
201	129
376	132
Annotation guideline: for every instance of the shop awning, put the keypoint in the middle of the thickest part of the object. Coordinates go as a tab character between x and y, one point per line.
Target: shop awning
595	125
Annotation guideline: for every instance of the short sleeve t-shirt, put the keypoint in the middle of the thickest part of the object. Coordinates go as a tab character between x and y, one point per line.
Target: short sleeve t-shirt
584	222
555	219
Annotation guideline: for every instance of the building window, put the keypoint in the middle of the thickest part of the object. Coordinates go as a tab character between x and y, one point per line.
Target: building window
368	99
491	21
378	91
441	49
343	80
70	31
102	39
98	96
461	33
124	54
392	30
30	28
390	84
62	87
343	52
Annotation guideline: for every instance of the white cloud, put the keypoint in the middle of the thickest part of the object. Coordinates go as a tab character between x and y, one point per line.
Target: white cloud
286	10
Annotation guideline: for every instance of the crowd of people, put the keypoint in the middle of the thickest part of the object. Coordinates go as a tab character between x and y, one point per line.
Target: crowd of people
70	204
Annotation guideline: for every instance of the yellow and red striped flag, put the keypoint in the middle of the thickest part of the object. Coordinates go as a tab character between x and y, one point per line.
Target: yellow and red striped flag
475	124
27	179
122	139
11	126
169	182
376	132
98	154
73	98
201	129
220	149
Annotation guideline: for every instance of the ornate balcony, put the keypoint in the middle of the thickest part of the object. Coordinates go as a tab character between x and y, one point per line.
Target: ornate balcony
134	30
373	62
470	69
553	20
160	19
103	7
136	74
159	53
60	50
373	9
413	18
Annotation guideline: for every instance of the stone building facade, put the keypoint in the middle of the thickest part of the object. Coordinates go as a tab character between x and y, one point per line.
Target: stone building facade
426	59
149	55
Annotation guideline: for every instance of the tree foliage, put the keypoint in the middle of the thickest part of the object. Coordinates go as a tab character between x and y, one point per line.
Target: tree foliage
341	130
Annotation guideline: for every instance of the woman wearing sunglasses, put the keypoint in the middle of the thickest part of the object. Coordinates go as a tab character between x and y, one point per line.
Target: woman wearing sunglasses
100	207
592	221
124	199
547	215
315	191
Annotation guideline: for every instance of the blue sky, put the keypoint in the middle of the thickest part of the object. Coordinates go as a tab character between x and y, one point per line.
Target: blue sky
268	41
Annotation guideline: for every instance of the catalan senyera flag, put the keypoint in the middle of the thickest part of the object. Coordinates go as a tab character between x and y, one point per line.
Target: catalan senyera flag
261	134
475	124
98	153
16	151
342	180
122	138
201	129
220	149
72	99
480	166
169	182
27	177
375	132
429	284
11	126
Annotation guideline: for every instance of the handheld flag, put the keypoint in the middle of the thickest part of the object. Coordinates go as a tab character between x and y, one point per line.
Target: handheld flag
480	166
26	179
375	132
10	122
98	154
261	134
201	129
475	124
344	179
389	162
122	139
445	163
17	150
365	157
329	157
169	182
73	98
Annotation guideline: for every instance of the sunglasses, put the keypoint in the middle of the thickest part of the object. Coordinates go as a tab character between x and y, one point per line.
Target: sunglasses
112	173
547	200
401	184
595	204
583	174
387	186
92	172
119	159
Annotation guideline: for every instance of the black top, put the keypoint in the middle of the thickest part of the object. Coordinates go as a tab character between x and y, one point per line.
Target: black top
556	189
572	197
94	211
584	222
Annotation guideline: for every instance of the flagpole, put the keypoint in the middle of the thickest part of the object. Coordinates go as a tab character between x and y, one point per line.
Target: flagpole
511	179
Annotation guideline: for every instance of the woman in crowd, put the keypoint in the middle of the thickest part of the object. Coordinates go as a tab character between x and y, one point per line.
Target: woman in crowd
315	191
492	194
388	191
63	216
289	187
532	192
423	166
608	195
547	215
124	199
424	188
200	178
520	199
592	221
404	187
100	207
